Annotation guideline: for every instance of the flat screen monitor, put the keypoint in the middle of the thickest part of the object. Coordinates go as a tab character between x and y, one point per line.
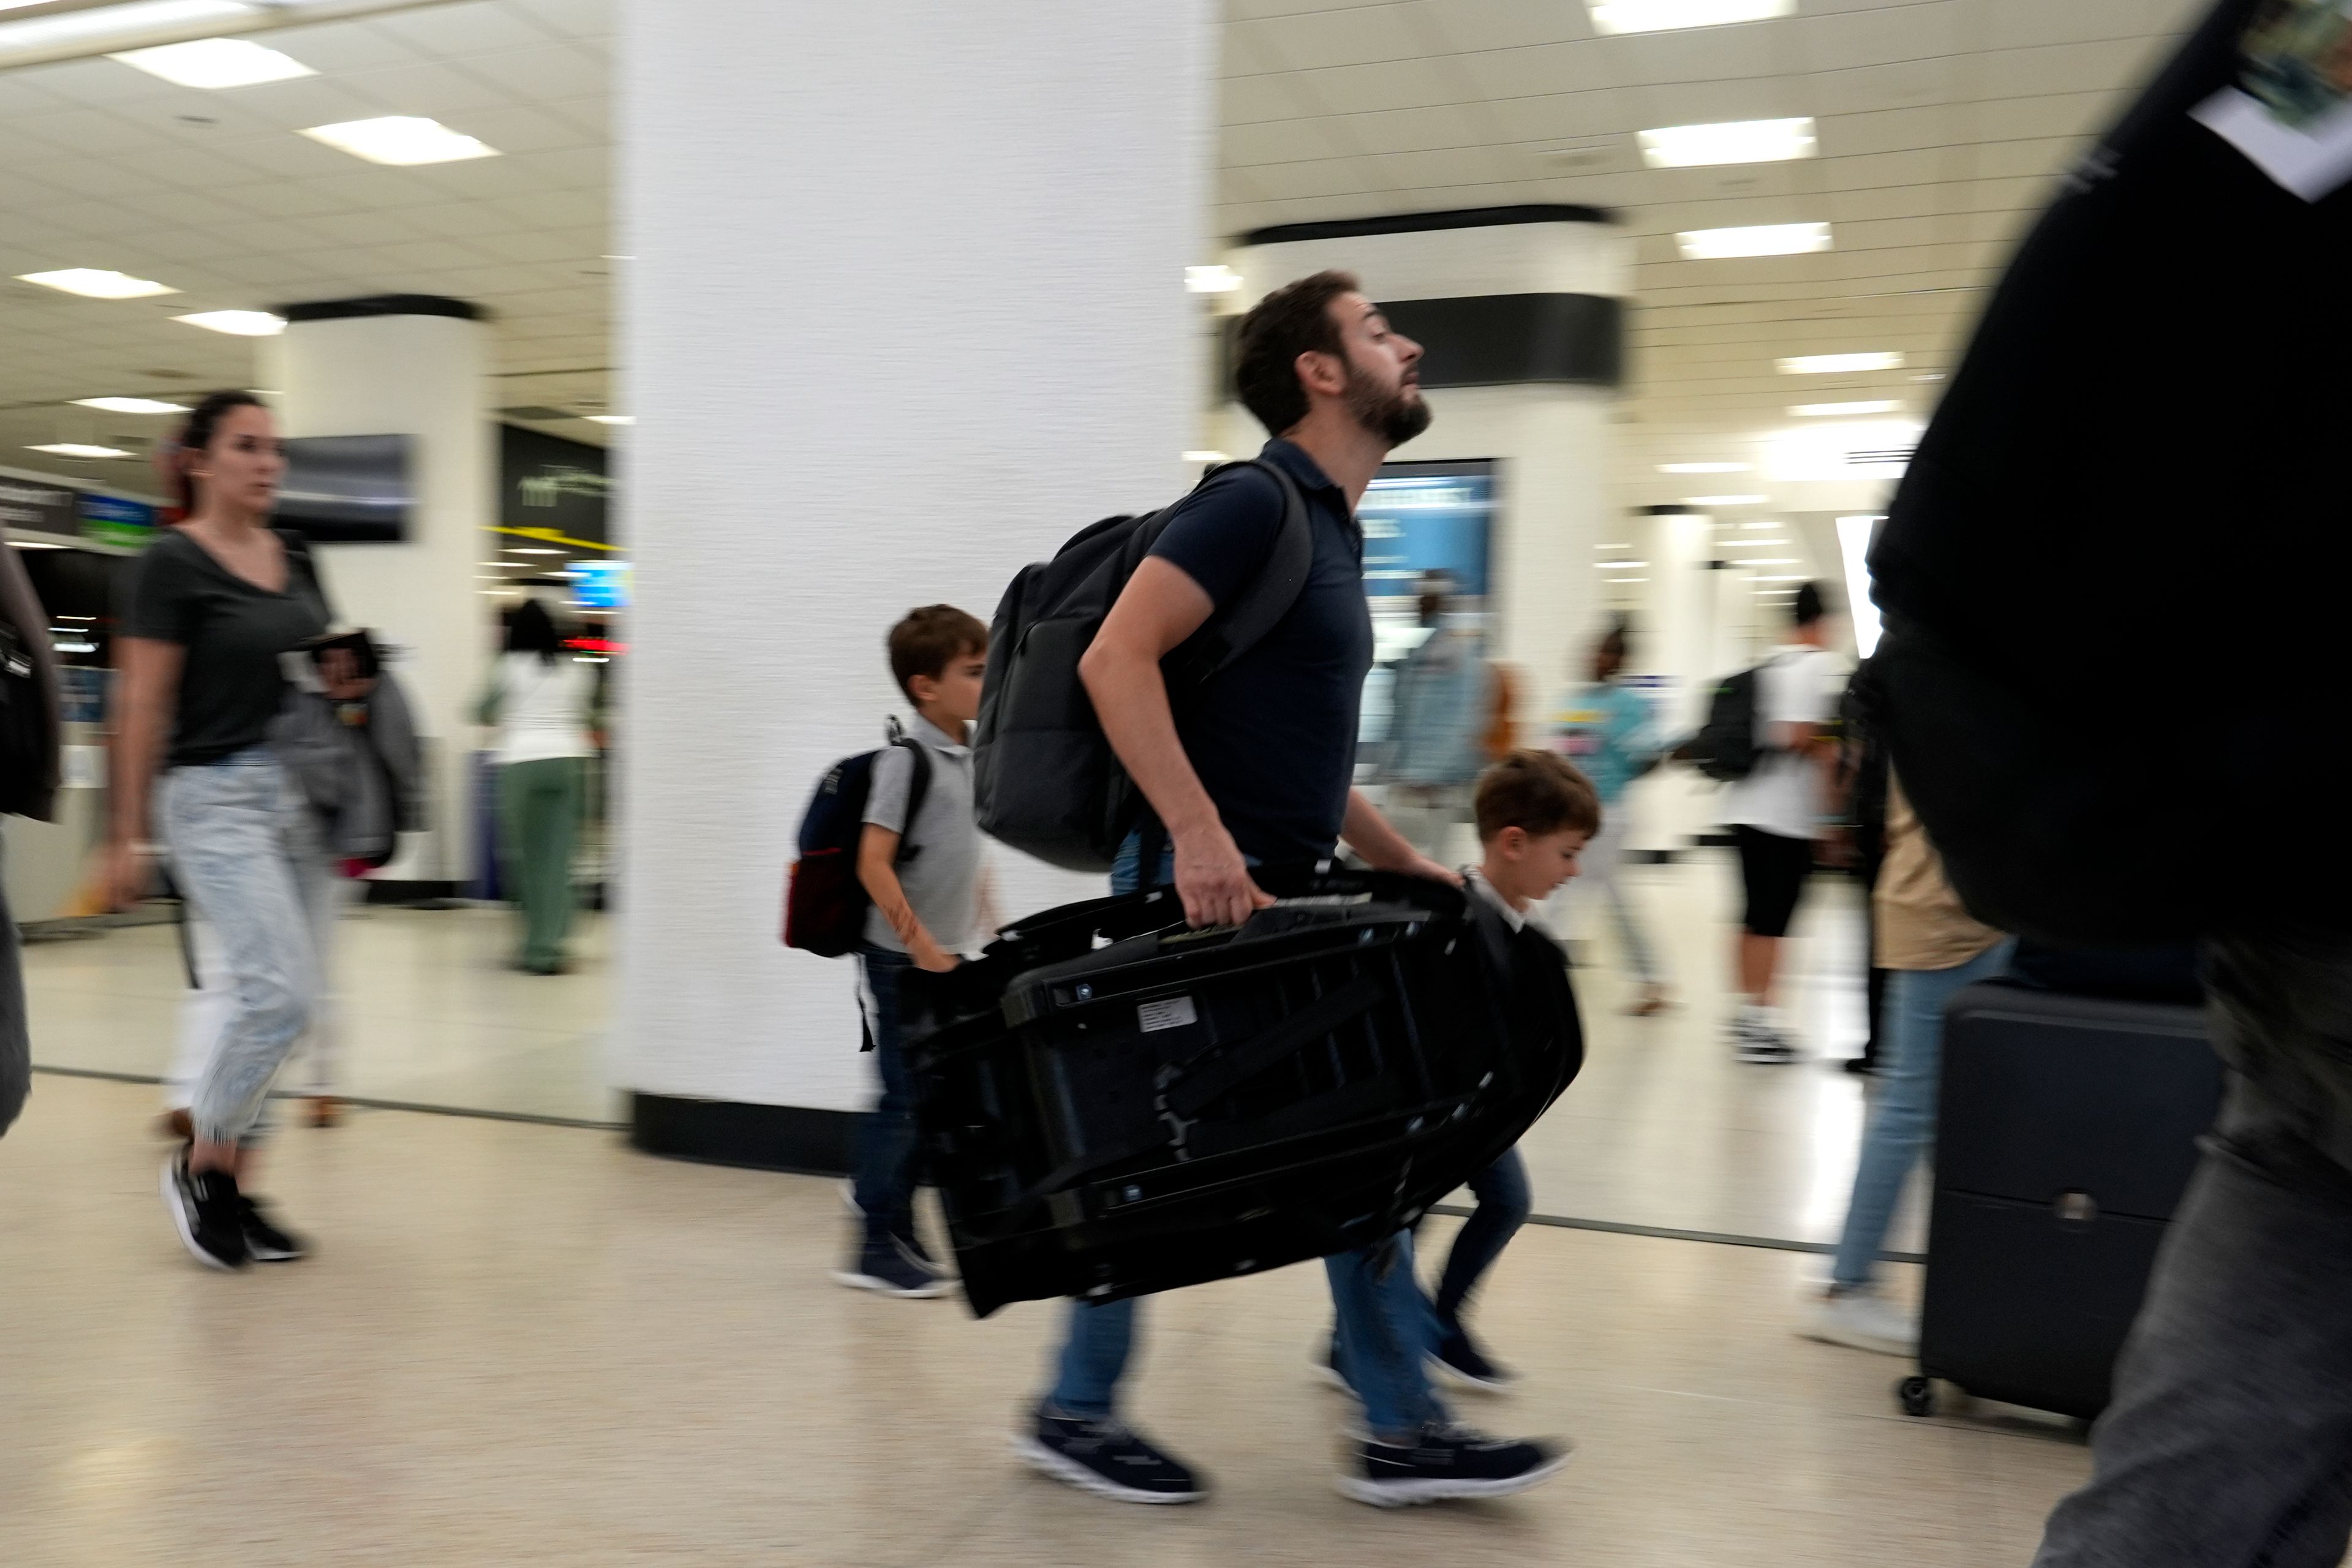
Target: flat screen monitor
348	490
601	584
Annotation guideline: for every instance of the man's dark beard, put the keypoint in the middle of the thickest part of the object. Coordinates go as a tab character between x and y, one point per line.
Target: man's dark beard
1395	417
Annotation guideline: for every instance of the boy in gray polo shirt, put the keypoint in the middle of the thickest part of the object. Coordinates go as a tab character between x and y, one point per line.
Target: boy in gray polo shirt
927	911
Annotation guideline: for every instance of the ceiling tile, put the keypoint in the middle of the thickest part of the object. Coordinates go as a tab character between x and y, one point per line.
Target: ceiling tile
449	32
1307	41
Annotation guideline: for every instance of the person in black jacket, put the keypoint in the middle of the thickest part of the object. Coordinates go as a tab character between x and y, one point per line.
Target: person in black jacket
27	625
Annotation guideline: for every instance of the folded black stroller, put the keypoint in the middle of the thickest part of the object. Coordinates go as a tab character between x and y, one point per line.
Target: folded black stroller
1113	1105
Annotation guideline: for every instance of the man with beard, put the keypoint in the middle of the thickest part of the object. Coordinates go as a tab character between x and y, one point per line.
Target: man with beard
1259	768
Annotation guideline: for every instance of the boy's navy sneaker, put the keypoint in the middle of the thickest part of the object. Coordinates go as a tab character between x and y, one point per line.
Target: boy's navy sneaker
881	1267
1447	1460
910	1242
206	1212
1466	1363
1105	1457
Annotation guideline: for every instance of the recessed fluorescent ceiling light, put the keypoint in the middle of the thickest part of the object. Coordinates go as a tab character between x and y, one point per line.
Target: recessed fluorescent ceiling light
1204	456
1761	239
216	63
1839	365
96	283
1751	543
132	405
1662	15
1619	566
1839	410
1702	468
78	449
611	419
236	324
1212	280
1728	142
400	139
99	22
1613	547
1725	501
532	550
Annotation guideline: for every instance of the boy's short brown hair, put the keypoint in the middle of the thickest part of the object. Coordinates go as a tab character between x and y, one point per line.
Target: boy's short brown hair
931	638
1538	792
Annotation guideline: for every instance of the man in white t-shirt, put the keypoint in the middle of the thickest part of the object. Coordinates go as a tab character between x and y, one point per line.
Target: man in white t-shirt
1776	813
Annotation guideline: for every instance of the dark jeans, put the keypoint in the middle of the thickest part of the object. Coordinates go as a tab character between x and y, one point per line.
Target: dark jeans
2230	1439
889	1157
1505	1201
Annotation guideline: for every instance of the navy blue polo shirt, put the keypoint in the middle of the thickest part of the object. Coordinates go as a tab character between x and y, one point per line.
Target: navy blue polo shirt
1273	734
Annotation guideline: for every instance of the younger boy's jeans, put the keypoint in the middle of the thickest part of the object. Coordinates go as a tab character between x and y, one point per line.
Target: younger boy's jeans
887	1153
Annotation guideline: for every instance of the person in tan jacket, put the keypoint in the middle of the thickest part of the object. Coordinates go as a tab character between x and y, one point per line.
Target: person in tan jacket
27	625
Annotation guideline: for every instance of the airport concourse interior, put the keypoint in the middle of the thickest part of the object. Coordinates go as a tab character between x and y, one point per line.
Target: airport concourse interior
634	938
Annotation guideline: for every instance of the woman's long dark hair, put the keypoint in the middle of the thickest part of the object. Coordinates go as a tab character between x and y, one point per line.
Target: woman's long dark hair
530	629
196	433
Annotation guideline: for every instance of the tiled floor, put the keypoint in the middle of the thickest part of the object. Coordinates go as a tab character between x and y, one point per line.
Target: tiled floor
1663	1130
523	1345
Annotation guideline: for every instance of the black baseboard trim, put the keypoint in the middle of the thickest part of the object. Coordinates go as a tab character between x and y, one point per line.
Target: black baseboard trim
380	892
1654	857
728	1133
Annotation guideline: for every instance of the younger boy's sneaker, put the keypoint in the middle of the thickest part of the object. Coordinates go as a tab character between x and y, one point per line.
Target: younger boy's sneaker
265	1240
1860	1318
1105	1457
206	1212
1447	1460
910	1242
881	1265
1463	1360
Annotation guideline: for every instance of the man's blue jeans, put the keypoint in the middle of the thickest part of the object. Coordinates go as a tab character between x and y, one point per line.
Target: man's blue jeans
1384	1320
1903	1122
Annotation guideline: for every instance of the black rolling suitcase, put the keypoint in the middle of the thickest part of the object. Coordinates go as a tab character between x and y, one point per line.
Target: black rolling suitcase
1112	1105
2067	1131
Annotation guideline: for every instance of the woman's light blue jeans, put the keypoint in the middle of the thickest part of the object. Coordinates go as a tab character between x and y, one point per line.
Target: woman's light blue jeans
1902	1123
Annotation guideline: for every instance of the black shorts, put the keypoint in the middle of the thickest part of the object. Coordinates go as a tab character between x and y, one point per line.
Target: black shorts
1772	868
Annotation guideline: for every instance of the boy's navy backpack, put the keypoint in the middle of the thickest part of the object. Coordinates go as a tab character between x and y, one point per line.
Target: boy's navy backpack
1044	779
824	902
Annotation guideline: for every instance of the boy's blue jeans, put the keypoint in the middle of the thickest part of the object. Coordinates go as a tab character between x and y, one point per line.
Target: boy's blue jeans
887	1154
1384	1320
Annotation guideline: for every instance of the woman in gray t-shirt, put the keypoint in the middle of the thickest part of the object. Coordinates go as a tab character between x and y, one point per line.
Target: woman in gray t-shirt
213	605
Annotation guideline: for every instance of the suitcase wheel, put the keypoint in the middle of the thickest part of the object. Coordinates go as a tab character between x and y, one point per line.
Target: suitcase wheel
1917	1395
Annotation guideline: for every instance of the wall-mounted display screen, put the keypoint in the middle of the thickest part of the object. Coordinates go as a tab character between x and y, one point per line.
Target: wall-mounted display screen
601	584
348	490
1418	519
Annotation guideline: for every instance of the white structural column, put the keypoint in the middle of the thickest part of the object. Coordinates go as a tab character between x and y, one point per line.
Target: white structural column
416	367
907	309
1517	310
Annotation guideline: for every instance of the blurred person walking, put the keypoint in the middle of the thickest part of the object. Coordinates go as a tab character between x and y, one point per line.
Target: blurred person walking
1258	767
543	702
30	753
1607	730
921	862
1862	774
1932	949
1443	702
214	606
1778	814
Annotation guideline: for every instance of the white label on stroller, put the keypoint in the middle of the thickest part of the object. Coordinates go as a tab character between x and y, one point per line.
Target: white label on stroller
1172	1014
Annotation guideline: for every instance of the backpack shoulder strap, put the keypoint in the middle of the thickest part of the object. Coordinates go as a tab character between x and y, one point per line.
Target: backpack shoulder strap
1261	605
918	786
299	559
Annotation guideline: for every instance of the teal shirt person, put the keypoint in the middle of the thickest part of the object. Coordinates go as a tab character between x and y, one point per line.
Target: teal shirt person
1606	731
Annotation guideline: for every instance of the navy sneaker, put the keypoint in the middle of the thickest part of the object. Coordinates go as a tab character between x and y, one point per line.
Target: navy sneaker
909	1243
266	1241
1105	1457
1462	1359
1449	1461
879	1265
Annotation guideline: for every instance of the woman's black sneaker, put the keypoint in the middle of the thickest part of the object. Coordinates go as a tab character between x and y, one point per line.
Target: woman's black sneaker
1450	1461
1105	1457
208	1212
1464	1361
264	1241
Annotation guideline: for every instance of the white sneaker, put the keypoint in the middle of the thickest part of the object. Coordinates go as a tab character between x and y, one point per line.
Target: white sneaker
1862	1320
1757	1037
